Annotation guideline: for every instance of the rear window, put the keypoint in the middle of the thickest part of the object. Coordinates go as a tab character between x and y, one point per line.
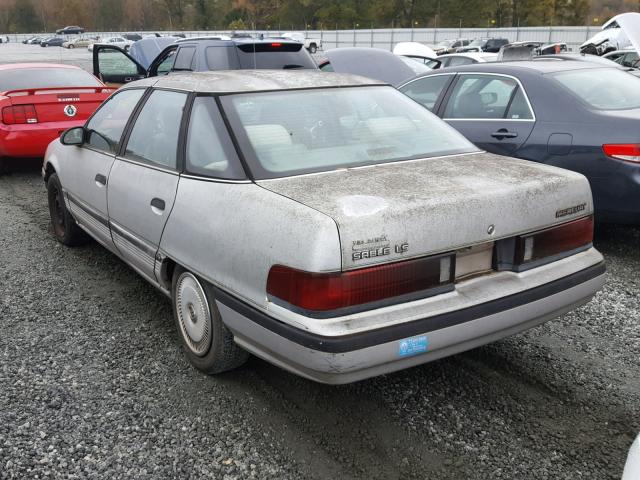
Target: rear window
274	56
286	133
24	78
602	88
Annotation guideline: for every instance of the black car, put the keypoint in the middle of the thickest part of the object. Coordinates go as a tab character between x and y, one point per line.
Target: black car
491	45
52	42
115	66
578	115
72	30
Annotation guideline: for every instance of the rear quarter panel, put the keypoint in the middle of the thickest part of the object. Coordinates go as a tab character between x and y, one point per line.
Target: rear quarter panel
232	233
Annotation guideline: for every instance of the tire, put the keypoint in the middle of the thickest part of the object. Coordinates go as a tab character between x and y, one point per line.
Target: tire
71	45
64	226
3	166
207	342
313	48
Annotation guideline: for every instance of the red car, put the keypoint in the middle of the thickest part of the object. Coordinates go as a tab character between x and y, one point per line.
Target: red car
38	101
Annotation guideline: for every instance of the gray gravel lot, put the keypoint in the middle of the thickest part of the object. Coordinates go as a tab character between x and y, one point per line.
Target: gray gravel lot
93	384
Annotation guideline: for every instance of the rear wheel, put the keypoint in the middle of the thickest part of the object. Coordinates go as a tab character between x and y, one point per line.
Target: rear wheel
65	228
71	45
3	166
207	342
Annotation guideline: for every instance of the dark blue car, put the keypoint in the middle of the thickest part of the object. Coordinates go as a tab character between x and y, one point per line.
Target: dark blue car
581	116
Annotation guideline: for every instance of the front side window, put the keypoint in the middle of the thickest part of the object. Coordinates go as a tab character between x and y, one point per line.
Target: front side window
209	148
184	59
602	88
114	62
486	97
426	90
293	132
154	137
104	129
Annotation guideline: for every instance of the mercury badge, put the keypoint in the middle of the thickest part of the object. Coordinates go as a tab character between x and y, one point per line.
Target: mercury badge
70	110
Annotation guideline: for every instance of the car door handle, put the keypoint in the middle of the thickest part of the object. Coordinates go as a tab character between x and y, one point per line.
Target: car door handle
504	133
101	180
157	205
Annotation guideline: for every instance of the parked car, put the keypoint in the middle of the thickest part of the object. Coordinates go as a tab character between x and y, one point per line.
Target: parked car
35	40
450	46
40	100
573	114
72	30
52	42
30	39
428	248
372	63
311	44
627	57
491	45
469	58
79	42
114	66
528	50
614	35
120	42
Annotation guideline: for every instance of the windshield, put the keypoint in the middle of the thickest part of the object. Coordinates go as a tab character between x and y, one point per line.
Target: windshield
603	88
304	131
23	78
478	42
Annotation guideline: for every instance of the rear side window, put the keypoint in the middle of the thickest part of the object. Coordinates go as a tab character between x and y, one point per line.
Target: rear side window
218	58
602	88
154	137
274	56
426	90
457	61
107	124
486	97
184	59
22	78
209	148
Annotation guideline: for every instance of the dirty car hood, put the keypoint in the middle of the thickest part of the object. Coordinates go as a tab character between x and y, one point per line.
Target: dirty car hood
438	204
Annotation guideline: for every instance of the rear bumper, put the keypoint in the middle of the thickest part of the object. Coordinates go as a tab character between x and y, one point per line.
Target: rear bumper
31	140
349	358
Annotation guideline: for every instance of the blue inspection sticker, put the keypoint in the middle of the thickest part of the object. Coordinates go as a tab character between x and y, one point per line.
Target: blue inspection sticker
412	346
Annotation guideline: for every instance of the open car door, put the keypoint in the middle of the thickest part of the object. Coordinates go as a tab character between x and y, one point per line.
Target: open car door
115	67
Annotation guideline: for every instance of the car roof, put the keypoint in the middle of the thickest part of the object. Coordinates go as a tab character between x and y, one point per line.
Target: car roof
228	41
17	66
239	81
537	66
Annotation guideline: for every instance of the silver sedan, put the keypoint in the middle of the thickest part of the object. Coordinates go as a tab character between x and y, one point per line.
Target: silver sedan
323	222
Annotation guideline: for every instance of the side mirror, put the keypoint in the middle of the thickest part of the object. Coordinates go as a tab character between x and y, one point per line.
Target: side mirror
73	136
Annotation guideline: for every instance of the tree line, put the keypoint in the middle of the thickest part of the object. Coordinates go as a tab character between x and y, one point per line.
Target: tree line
21	16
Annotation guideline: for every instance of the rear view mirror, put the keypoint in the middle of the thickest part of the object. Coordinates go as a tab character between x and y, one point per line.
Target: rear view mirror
73	136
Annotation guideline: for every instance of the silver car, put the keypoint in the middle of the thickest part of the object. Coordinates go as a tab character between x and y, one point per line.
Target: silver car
323	222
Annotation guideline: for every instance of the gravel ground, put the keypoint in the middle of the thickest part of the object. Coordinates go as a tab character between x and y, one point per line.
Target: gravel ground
93	383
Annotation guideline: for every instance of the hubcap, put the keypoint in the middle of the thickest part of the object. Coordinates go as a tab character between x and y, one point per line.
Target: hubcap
193	313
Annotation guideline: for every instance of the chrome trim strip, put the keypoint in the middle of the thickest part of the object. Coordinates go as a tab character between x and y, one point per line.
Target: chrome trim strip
517	80
138	242
149	164
211	179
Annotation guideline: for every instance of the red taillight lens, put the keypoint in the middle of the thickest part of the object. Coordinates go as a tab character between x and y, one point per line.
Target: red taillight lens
331	291
629	152
276	44
554	241
19	114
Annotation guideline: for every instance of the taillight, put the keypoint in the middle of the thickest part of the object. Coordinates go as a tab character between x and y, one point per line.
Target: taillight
554	241
322	292
629	152
19	114
276	45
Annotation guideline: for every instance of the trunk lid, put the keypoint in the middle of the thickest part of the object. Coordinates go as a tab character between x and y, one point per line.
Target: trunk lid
61	104
409	209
